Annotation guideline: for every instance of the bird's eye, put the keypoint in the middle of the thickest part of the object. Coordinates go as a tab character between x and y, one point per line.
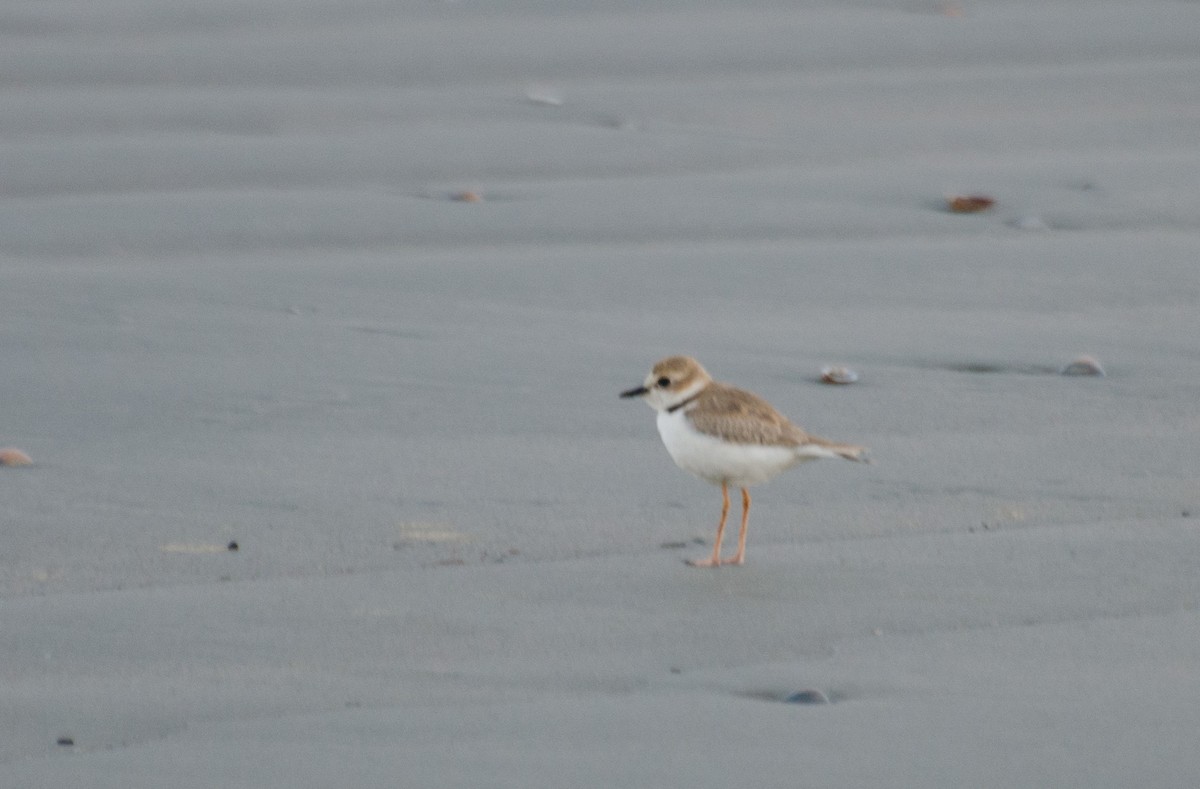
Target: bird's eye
664	382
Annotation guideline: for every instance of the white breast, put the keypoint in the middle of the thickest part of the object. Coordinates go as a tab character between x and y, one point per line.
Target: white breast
718	461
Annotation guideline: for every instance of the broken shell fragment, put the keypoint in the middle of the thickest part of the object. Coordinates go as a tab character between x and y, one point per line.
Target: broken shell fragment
837	374
544	95
1084	365
969	204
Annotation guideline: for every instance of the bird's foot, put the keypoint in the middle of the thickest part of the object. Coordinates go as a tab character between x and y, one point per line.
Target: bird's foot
714	561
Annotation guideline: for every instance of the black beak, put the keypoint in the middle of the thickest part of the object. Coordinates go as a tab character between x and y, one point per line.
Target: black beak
641	390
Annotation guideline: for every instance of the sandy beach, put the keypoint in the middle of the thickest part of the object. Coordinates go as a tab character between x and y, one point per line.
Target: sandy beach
313	318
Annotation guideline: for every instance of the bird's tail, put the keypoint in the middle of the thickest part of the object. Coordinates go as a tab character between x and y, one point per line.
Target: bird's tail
820	447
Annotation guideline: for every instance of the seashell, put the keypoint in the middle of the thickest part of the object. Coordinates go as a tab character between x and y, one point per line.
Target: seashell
1084	365
837	374
969	204
11	456
807	696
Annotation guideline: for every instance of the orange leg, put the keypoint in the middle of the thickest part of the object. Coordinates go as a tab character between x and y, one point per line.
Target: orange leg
741	551
715	559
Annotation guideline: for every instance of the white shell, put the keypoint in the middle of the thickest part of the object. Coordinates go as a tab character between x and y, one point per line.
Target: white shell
837	374
1084	365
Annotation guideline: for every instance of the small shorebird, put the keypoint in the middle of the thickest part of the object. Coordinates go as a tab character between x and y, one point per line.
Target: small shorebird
727	436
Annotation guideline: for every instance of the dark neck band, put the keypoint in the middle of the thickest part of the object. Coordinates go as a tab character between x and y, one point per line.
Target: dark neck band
681	404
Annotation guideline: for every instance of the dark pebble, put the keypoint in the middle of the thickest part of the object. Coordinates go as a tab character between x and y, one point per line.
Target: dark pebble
673	545
232	546
65	741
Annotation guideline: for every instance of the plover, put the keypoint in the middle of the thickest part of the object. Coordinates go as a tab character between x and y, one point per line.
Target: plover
727	436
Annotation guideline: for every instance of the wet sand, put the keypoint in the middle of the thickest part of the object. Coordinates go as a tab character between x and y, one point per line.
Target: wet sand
240	304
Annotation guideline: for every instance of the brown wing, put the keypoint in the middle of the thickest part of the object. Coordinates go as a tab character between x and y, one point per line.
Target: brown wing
743	418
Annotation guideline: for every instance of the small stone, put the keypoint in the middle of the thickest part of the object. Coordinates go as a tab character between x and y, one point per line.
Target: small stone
11	456
809	696
672	545
969	204
232	546
468	197
66	742
1084	365
837	374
